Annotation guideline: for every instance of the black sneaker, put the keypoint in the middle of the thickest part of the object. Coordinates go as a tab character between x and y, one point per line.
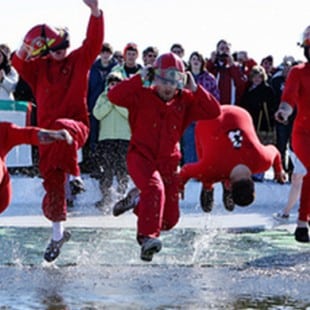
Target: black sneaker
70	203
228	201
149	247
53	249
206	199
128	203
301	234
77	186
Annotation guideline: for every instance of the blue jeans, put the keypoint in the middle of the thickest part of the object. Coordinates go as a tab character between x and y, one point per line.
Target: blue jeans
188	145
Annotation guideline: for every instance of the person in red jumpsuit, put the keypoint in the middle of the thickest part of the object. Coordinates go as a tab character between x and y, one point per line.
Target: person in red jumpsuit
59	84
296	93
12	135
229	151
158	116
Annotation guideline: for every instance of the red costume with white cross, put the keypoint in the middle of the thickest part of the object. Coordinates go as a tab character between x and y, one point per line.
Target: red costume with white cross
225	142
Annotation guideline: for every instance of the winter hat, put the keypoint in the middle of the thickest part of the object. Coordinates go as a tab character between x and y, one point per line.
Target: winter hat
130	47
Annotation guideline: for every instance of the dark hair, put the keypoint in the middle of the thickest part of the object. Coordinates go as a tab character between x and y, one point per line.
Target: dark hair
6	63
200	57
243	192
268	58
222	42
306	52
107	47
177	45
150	49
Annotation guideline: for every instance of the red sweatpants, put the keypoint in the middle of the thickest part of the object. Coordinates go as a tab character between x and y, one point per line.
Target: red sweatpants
301	146
158	207
56	160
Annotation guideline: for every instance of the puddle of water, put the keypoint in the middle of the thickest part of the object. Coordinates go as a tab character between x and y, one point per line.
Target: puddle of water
196	269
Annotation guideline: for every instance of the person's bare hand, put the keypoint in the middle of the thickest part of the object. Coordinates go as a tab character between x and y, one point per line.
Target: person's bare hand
94	6
49	136
281	116
283	112
190	82
280	177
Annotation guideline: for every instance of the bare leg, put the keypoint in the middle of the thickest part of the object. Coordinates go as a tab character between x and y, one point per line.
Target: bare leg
294	193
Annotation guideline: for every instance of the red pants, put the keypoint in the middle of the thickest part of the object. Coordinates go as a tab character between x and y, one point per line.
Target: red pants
301	147
158	208
56	160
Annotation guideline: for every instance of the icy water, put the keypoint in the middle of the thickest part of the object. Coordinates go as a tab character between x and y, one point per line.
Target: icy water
196	269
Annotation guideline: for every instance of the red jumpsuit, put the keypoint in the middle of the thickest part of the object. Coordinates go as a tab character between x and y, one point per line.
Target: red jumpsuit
225	142
10	136
297	93
154	153
60	89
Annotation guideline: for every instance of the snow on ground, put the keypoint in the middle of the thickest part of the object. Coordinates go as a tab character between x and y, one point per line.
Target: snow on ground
25	209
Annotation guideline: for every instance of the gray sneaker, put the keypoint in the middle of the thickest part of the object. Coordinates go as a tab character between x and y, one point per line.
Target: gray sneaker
128	203
53	249
281	217
149	247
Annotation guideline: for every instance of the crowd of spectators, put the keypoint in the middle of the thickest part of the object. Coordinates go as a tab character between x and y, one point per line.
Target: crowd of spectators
232	77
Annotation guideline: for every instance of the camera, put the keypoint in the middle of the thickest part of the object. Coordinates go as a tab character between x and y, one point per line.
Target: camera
221	56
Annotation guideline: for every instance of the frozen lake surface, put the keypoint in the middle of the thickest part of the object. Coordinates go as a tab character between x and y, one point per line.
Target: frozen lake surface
222	260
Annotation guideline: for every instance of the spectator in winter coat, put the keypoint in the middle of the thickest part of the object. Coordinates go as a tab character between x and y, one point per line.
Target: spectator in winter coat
256	94
258	99
111	150
8	75
59	84
230	79
158	116
96	85
283	131
130	66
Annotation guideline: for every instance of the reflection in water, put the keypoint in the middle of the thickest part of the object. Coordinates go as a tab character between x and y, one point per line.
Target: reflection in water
100	268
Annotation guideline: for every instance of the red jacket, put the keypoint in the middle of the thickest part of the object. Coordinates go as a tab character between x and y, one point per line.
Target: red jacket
225	142
297	93
156	126
230	80
60	87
